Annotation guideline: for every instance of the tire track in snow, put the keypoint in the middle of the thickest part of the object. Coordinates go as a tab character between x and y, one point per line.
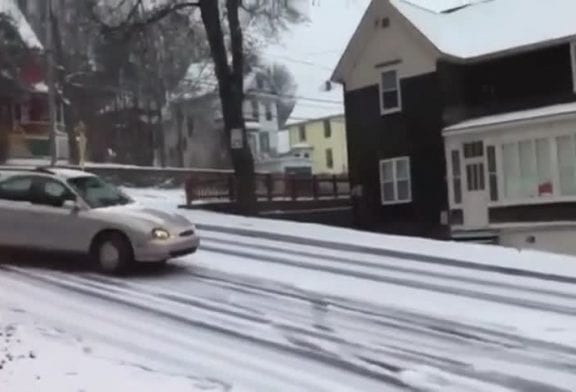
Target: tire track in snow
406	358
311	341
402	282
111	293
410	256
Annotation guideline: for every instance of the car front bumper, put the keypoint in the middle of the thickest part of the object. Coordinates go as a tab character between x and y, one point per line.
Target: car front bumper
158	250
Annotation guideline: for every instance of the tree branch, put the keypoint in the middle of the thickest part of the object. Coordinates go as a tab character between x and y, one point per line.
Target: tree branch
130	24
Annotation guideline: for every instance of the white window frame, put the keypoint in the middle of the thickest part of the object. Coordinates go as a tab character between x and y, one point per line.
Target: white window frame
381	92
395	180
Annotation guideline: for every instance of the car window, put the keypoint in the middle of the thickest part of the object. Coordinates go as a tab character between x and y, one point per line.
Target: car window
97	193
47	191
54	189
16	188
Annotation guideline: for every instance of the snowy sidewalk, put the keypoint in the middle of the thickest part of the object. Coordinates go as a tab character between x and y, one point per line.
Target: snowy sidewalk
38	358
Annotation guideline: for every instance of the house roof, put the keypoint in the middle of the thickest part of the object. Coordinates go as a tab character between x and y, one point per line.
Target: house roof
470	29
318	105
514	117
27	35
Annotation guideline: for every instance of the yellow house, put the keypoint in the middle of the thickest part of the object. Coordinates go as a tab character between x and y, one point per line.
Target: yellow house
327	137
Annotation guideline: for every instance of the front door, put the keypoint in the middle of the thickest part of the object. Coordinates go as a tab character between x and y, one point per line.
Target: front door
475	195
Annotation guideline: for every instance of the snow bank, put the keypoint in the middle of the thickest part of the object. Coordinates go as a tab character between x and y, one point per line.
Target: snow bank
37	358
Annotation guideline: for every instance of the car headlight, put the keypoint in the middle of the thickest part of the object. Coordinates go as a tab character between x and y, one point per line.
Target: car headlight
160	234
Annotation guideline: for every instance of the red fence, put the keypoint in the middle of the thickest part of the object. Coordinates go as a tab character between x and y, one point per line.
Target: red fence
222	186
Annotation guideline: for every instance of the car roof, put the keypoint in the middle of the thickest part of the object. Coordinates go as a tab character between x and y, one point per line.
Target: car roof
63	173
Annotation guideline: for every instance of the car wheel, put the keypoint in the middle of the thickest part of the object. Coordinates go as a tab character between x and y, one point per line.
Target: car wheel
113	254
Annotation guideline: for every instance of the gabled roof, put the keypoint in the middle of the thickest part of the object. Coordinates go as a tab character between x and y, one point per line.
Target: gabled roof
469	29
10	9
320	103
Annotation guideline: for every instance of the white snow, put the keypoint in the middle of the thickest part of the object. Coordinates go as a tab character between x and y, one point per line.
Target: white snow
36	357
524	115
494	26
529	260
428	379
441	6
10	8
41	87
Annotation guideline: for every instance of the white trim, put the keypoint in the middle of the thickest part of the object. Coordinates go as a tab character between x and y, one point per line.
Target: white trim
395	180
558	112
381	91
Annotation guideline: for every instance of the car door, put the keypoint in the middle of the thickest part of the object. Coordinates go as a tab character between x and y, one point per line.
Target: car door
60	227
17	227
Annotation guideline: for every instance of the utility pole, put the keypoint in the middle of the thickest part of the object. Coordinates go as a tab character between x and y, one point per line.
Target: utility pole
51	83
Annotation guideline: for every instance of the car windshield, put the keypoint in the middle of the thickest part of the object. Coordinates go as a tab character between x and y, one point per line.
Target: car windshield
98	193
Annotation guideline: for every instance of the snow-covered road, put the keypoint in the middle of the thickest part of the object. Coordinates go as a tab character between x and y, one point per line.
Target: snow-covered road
279	311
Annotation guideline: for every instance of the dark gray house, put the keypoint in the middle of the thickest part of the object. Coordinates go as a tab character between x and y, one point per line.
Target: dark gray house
461	118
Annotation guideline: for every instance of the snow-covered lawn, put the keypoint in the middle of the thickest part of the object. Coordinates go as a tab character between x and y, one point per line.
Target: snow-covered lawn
36	357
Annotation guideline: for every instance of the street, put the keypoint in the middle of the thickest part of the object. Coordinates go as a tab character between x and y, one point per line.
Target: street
229	313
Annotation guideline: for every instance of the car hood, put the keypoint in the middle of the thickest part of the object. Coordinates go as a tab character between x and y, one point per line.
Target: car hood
154	217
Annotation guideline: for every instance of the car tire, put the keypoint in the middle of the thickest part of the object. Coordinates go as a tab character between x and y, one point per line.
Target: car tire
113	254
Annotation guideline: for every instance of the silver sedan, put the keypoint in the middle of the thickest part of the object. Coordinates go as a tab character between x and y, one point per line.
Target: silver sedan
62	210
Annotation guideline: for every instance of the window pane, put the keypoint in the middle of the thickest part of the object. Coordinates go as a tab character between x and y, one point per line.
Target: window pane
329	158
566	165
456	169
402	169
404	190
493	187
471	177
389	81
457	183
491	152
528	174
481	185
388	192
511	170
387	171
327	129
390	100
544	167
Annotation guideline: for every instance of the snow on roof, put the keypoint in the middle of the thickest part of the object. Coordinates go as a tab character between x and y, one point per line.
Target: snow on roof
443	6
481	28
325	104
524	115
12	11
311	50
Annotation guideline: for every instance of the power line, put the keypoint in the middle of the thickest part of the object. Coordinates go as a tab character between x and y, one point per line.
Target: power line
271	95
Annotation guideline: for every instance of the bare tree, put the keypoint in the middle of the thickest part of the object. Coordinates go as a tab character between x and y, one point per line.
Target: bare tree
224	22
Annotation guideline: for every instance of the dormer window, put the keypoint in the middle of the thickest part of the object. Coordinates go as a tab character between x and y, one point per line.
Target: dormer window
390	97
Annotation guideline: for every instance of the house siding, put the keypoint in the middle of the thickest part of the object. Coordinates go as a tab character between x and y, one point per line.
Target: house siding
316	138
414	132
512	83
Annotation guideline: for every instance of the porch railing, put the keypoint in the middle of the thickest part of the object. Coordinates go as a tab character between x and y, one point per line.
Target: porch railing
269	187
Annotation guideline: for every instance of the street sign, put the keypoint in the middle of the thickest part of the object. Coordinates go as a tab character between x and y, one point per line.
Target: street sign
236	139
